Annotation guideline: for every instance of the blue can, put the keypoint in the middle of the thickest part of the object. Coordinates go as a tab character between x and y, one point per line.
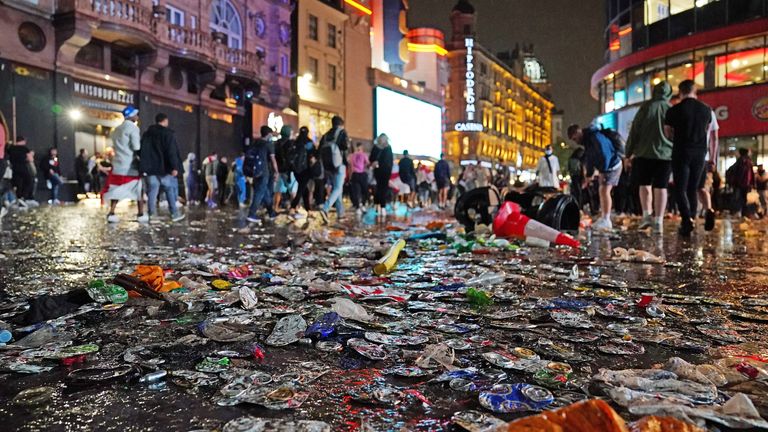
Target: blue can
324	327
510	398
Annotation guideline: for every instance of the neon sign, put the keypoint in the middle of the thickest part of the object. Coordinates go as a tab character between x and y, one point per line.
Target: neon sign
469	43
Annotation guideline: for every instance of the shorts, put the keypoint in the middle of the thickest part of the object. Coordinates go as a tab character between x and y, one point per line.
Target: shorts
651	172
442	183
212	183
410	182
283	183
611	178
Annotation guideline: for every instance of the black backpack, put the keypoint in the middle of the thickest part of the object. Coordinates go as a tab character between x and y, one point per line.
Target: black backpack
294	157
255	161
616	139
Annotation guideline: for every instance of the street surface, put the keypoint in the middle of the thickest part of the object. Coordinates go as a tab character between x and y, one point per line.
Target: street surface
363	374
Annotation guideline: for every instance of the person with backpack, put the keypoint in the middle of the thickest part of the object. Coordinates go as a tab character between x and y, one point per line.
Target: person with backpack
298	157
740	176
687	125
259	157
548	169
333	149
650	151
283	146
382	161
601	154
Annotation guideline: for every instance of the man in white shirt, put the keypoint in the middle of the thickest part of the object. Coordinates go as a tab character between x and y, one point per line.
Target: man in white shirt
705	196
548	169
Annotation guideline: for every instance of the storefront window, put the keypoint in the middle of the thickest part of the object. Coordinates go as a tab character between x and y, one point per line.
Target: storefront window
679	69
655	73
609	105
745	63
620	91
712	75
636	87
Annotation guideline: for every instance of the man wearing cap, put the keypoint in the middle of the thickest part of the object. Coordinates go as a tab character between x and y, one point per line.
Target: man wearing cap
124	181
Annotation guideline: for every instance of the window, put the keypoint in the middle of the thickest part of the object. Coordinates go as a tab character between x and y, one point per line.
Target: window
91	55
745	63
679	68
284	65
331	35
31	36
174	16
226	21
313	68
636	87
332	76
123	61
313	27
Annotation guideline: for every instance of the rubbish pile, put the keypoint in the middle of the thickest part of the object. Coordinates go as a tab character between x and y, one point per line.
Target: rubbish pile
404	328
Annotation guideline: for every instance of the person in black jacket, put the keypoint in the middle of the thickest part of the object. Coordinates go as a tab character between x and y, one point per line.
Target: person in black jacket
52	173
382	161
160	163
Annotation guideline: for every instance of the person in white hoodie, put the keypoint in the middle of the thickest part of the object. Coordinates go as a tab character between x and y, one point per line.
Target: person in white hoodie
548	169
124	181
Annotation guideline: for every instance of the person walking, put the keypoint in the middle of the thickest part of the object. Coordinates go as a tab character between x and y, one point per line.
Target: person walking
407	174
52	173
740	176
599	155
191	179
761	185
123	181
210	166
710	164
82	174
358	163
443	181
650	151
260	164
299	157
333	149
240	181
382	161
548	169
687	125
283	146
22	180
222	172
160	163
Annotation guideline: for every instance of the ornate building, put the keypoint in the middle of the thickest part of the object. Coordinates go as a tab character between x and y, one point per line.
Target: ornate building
68	67
497	107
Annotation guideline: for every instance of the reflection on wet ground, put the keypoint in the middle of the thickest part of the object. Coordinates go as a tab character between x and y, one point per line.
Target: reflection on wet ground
712	288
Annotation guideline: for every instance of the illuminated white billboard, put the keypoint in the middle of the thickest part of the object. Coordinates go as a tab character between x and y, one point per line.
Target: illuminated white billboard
411	124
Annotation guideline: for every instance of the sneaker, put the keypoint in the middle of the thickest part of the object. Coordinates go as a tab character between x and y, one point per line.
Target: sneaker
709	220
359	212
243	205
324	216
657	227
112	219
142	218
646	222
56	202
253	219
178	217
603	224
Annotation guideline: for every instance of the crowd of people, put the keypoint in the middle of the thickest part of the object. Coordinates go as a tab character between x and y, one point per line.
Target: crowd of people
278	171
672	149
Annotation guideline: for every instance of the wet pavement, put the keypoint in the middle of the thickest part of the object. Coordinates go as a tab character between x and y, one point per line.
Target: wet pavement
224	360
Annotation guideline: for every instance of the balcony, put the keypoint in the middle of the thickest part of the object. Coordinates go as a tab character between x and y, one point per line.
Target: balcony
118	18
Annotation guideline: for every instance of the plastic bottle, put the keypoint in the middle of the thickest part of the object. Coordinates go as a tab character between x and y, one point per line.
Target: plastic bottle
487	279
102	292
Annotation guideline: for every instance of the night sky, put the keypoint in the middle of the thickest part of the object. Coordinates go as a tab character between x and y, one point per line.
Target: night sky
567	38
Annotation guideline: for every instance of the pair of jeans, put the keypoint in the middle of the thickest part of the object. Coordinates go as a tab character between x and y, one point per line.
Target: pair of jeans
241	190
170	185
55	186
336	193
740	201
23	182
303	191
359	189
260	195
687	168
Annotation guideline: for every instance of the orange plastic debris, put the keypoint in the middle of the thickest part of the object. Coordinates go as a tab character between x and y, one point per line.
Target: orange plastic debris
155	278
663	424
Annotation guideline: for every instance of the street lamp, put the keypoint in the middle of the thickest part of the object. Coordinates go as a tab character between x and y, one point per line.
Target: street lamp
75	114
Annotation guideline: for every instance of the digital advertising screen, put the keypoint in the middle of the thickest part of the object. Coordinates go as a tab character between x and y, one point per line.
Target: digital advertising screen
411	124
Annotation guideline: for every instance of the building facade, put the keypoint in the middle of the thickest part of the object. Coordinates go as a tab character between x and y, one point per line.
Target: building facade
721	45
68	67
497	110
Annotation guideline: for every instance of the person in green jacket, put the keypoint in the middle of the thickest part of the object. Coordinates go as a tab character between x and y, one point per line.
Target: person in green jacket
651	154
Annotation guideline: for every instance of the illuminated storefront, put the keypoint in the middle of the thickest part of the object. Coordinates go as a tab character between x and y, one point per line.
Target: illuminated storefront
494	110
722	45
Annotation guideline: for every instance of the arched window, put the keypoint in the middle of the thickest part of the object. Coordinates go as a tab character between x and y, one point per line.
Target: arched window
225	19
